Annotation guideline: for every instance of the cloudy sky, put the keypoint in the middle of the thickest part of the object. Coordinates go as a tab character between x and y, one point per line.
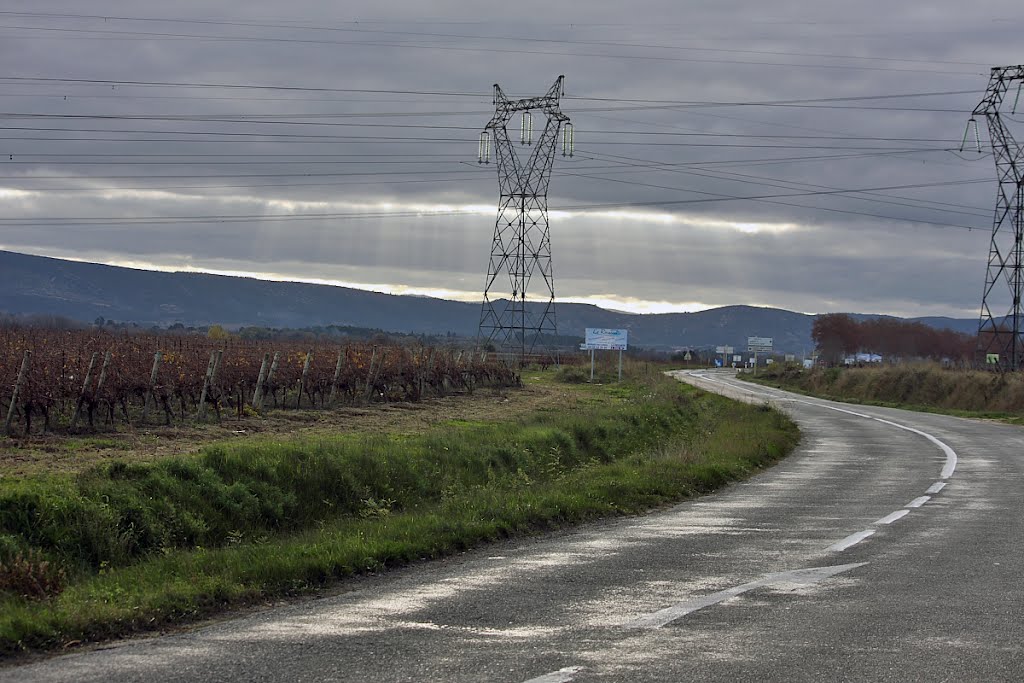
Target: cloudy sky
797	154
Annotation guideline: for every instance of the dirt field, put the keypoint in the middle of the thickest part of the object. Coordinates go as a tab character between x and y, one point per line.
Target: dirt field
50	453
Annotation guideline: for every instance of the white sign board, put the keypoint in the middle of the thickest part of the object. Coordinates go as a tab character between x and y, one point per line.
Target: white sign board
759	344
737	358
604	339
724	349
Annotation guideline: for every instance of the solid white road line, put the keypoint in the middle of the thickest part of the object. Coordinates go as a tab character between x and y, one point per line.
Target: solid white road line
950	466
947	469
951	459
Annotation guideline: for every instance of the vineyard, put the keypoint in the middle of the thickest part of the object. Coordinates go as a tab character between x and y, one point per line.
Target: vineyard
73	379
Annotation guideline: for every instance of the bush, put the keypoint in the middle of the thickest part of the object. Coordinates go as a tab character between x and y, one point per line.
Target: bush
31	575
569	374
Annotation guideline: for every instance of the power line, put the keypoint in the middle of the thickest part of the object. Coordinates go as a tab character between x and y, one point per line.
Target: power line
653	166
455	93
106	33
783	183
286	217
517	39
262	120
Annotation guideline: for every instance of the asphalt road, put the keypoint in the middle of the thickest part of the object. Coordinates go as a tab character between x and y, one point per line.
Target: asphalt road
887	548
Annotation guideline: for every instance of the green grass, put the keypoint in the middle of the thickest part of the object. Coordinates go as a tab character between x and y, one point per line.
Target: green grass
148	544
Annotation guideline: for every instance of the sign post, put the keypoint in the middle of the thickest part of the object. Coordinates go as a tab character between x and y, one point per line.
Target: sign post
602	339
757	345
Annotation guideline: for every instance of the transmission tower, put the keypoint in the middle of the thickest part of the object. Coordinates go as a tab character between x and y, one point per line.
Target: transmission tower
509	318
1000	343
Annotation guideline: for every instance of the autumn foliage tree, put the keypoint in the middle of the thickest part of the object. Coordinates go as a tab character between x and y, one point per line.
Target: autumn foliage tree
838	335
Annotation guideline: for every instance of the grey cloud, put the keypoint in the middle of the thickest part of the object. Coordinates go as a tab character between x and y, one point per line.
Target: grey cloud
837	258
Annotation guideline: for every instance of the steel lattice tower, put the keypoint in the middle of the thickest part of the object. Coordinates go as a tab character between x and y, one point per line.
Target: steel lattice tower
999	326
521	247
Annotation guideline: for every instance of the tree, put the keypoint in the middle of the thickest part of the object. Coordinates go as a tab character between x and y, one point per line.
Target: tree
836	335
217	332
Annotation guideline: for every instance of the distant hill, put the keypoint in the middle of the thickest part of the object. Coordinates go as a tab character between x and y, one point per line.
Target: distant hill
85	291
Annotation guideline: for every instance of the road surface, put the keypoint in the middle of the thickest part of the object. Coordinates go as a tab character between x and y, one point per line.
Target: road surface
886	548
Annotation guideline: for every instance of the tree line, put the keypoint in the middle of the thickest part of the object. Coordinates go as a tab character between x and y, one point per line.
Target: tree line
838	335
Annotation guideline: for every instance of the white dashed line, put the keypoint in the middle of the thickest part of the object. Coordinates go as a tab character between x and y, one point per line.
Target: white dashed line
918	502
892	517
849	541
561	676
936	487
796	577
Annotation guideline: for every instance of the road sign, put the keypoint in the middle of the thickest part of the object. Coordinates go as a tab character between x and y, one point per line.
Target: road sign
759	344
600	338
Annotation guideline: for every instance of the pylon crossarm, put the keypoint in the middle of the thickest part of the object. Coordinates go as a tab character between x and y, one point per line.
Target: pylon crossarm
1000	79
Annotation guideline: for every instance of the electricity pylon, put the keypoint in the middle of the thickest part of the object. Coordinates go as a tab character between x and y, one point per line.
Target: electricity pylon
509	318
1000	343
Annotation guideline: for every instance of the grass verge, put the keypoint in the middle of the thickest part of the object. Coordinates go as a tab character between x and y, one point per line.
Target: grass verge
132	546
923	387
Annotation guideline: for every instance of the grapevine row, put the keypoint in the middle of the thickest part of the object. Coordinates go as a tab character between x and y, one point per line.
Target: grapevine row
67	379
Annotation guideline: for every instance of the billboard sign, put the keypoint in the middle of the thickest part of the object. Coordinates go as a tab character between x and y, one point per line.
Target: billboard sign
603	339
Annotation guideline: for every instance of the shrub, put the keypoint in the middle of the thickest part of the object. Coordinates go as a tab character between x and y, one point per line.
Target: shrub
569	374
30	574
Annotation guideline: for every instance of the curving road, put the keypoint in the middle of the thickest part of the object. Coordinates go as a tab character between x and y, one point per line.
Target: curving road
887	548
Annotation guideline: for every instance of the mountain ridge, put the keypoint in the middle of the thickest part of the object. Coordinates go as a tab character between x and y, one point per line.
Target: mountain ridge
84	291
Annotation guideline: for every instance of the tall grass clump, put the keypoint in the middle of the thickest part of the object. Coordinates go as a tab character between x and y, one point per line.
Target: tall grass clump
133	545
913	385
